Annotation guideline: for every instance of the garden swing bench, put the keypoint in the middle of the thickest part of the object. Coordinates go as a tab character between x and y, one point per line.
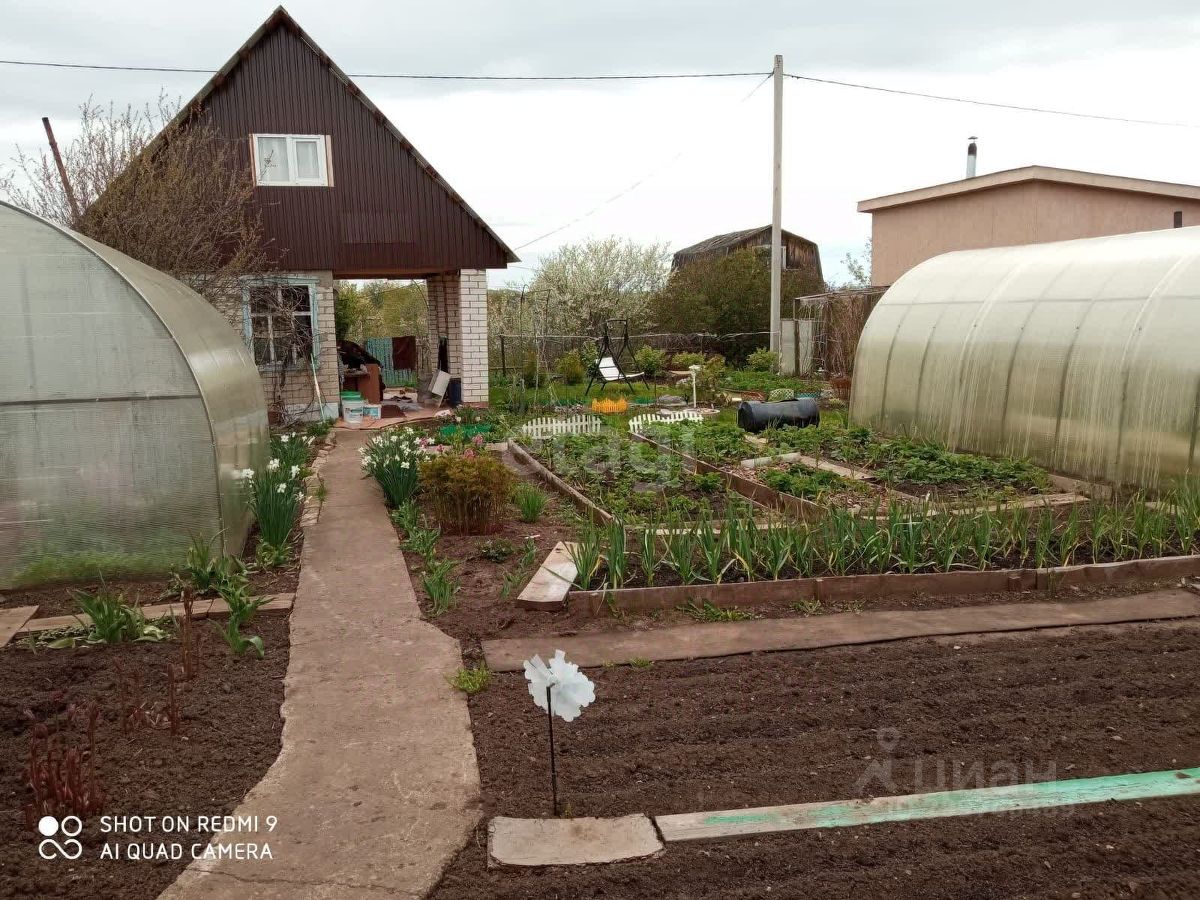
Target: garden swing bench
608	367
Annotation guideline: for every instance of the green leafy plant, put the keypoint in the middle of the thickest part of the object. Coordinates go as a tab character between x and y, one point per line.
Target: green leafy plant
393	459
112	621
616	555
686	360
587	553
640	662
808	607
242	608
530	502
649	361
497	550
763	360
468	490
406	516
472	680
570	367
709	612
518	576
708	482
274	496
291	449
319	430
440	585
422	541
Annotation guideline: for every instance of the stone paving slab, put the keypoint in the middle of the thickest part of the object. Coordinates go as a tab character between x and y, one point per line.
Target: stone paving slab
376	787
730	638
570	842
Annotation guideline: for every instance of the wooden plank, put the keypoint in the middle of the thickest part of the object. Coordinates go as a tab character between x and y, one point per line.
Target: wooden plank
548	587
202	609
737	593
915	807
716	639
12	619
847	472
1051	500
1114	572
526	458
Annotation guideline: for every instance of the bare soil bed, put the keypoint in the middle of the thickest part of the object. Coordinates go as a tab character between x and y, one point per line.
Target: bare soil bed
859	722
477	623
57	599
480	610
229	736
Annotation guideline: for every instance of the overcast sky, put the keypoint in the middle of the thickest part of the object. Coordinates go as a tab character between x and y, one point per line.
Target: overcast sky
530	158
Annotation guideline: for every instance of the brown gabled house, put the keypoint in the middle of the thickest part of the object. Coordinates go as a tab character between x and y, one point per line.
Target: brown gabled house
798	252
344	195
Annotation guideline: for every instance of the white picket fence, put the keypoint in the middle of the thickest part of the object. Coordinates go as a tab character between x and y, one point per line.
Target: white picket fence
637	423
549	426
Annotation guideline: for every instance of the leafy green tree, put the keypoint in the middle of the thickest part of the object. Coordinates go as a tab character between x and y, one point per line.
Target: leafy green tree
727	295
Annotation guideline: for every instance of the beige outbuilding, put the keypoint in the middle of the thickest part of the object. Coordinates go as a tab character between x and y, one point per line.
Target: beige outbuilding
1030	205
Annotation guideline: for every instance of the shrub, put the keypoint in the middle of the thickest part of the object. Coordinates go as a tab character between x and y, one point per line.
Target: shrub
687	359
762	360
530	501
708	379
393	460
469	490
650	362
570	367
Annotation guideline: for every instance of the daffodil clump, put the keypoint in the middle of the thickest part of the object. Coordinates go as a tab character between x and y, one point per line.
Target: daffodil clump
393	459
274	495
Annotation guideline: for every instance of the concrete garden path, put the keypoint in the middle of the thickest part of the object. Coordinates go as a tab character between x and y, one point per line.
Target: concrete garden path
376	787
835	630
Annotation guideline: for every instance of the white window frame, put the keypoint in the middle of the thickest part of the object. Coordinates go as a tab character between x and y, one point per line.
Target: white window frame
322	180
278	282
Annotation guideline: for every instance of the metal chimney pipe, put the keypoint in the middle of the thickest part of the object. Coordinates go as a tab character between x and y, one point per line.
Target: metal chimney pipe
972	153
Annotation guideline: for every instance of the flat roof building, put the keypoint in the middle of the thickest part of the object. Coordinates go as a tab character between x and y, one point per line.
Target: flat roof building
1030	205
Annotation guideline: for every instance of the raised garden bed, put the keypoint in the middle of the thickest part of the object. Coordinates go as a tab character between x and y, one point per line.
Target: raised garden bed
636	481
229	729
844	723
906	548
834	466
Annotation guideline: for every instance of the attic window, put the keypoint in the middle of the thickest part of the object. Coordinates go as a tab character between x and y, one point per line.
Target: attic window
291	160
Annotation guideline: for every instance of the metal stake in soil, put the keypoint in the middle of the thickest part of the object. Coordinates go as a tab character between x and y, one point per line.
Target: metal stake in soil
553	769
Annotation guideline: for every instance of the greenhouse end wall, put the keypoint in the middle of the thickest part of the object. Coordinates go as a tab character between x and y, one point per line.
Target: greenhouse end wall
1080	355
127	404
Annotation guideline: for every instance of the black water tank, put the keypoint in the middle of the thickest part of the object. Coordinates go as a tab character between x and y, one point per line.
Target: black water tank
754	417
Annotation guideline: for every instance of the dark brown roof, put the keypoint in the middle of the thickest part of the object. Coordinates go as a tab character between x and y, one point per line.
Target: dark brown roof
387	212
733	240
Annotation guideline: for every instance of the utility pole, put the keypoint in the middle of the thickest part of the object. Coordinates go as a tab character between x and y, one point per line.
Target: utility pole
777	210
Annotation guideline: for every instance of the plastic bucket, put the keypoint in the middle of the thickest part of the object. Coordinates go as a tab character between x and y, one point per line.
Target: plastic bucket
352	410
373	410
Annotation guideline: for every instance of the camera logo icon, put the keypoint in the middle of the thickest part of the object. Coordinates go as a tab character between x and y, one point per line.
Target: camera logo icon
70	827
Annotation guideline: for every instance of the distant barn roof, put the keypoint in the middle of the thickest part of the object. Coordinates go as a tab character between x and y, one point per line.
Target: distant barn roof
727	243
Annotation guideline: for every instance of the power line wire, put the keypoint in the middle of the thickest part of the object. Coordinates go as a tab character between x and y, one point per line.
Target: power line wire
996	105
411	76
648	76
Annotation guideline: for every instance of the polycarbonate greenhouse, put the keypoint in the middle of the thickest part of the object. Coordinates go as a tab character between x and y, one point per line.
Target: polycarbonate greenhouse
127	403
1082	355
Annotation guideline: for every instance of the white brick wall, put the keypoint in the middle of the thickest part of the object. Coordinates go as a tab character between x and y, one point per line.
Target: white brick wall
458	311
